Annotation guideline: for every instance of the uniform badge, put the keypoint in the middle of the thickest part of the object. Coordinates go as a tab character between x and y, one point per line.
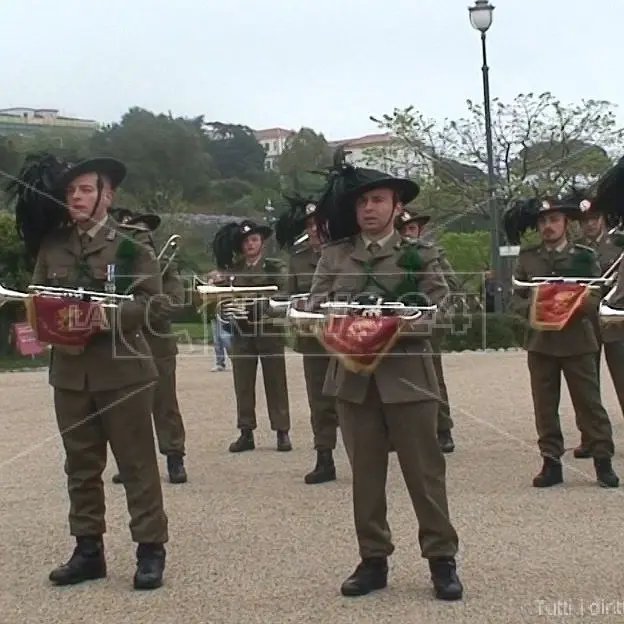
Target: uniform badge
545	205
585	205
310	209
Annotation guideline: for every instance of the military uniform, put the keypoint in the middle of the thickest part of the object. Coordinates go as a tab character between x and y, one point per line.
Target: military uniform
315	363
572	351
611	337
396	405
265	342
97	387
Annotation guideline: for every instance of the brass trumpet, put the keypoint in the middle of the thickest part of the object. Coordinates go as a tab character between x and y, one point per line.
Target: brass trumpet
168	252
107	300
591	282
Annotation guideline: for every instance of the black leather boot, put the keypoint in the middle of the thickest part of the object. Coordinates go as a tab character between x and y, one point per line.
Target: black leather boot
446	442
370	575
581	452
551	473
245	442
325	469
150	566
283	441
86	563
175	467
605	474
446	583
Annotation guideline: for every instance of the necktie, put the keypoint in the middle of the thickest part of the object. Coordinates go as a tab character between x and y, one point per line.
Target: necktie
373	248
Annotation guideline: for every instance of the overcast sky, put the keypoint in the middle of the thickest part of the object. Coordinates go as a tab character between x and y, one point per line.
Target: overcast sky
325	64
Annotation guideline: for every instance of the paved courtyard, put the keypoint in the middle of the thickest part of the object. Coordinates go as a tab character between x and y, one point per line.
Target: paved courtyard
251	543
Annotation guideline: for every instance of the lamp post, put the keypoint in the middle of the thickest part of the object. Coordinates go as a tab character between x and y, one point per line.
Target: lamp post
269	219
481	20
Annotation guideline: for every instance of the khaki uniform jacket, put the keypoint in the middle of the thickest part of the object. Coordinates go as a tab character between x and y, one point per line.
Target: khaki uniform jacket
608	252
301	268
266	272
578	337
118	357
406	374
161	340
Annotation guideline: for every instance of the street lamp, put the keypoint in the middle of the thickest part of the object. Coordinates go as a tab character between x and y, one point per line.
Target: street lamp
481	20
269	218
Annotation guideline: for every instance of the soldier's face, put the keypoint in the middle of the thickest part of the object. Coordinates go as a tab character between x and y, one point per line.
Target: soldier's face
376	210
552	226
411	230
252	245
312	231
592	226
81	198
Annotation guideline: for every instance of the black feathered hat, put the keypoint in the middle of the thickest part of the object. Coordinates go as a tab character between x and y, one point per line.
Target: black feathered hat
228	241
609	195
335	213
523	214
291	222
39	193
409	216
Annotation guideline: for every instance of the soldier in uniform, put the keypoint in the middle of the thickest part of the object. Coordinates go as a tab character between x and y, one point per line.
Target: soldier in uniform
163	344
411	225
102	389
240	250
595	235
303	260
397	404
571	350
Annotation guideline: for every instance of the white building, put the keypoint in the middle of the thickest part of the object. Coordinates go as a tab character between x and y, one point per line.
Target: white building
381	151
273	140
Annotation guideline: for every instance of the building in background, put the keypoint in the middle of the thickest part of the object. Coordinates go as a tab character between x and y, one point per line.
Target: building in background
273	140
29	121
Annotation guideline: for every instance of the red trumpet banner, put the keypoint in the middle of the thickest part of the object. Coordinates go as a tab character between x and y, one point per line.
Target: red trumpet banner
65	322
359	342
553	305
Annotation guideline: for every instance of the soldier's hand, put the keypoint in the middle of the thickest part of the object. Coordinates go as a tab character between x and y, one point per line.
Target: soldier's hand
234	311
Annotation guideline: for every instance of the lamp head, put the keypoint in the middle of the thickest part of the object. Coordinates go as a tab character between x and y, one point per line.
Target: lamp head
481	15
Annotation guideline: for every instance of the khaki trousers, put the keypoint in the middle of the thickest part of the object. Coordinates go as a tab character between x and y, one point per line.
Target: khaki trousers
581	375
88	421
166	411
246	351
368	431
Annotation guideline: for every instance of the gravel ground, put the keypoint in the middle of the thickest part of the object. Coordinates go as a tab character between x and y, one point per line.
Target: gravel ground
250	542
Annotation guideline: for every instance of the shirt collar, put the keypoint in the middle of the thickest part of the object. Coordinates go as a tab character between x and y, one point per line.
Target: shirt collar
559	247
381	242
96	227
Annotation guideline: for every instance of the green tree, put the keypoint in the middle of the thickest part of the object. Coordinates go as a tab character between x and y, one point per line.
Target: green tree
305	151
163	154
235	151
540	145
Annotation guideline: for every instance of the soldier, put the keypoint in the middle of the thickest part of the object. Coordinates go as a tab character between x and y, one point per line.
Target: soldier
240	249
411	225
595	236
303	261
163	344
572	349
396	404
102	388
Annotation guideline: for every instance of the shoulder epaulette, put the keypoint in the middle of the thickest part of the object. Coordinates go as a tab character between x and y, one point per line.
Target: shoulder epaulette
533	247
273	263
584	247
136	228
300	249
340	241
418	242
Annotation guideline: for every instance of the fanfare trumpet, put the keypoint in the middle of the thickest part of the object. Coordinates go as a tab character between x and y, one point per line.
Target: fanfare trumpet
65	317
168	252
591	282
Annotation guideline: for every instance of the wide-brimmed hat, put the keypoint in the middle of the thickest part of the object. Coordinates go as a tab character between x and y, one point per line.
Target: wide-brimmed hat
523	214
291	223
247	228
608	198
112	168
125	215
364	180
409	216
